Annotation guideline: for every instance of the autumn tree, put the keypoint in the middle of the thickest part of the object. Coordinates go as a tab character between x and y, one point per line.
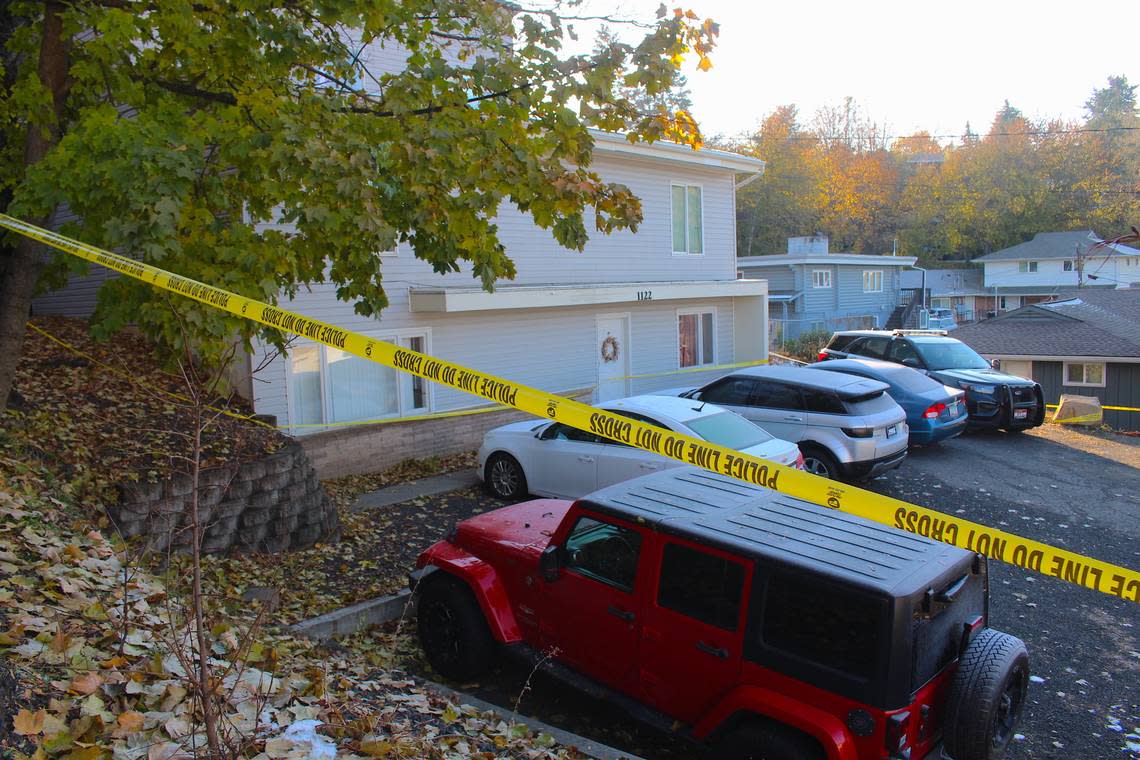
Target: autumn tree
253	146
779	204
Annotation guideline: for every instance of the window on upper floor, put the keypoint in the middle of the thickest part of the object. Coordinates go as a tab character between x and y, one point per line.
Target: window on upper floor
1067	265
872	280
696	340
328	385
821	278
688	220
1026	266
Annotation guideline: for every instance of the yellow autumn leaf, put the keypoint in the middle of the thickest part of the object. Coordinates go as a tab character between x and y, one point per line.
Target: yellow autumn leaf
376	748
27	723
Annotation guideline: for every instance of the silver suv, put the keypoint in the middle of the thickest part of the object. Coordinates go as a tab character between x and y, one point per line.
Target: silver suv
847	427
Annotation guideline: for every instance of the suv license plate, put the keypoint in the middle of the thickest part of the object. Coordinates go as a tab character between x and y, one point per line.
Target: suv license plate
1020	414
892	431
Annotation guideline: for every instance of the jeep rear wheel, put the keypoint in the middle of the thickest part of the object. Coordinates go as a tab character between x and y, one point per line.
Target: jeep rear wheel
987	696
766	740
452	630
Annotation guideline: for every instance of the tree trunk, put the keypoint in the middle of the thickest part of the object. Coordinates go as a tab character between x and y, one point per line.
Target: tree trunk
20	265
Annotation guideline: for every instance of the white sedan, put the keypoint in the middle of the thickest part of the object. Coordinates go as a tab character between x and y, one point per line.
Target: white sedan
553	459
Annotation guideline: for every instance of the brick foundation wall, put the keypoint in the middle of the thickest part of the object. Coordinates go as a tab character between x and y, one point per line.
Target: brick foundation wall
358	450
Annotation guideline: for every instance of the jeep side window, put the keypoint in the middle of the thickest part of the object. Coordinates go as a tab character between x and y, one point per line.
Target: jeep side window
603	551
702	586
730	391
773	395
821	623
874	347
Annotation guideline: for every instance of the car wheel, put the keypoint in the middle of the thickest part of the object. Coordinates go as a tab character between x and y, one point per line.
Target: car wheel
452	630
819	461
766	740
987	696
505	477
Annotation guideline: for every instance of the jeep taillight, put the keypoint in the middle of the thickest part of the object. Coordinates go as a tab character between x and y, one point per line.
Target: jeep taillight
934	410
897	726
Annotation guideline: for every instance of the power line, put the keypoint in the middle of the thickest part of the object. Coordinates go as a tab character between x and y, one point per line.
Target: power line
921	135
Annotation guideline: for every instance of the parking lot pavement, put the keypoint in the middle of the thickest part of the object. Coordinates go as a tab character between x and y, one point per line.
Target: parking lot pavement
1067	488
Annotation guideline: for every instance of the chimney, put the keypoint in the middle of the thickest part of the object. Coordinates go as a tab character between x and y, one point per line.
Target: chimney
808	245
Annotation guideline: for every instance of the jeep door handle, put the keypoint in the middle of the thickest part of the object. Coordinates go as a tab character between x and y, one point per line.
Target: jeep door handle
618	612
648	466
715	651
794	418
587	460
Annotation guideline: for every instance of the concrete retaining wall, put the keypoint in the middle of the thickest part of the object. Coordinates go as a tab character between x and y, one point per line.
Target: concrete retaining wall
362	449
268	505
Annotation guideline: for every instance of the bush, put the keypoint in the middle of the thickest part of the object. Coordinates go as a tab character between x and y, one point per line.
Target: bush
807	346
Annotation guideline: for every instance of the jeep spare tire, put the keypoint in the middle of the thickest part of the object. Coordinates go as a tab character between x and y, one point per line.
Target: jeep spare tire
987	697
452	630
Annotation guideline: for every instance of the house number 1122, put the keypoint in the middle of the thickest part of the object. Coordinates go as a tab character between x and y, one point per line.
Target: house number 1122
645	295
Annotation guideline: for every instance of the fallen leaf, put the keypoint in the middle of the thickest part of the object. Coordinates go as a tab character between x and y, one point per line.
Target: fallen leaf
128	723
28	723
85	684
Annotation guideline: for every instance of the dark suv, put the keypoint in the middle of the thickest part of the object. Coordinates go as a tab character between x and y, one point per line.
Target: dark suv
994	399
760	624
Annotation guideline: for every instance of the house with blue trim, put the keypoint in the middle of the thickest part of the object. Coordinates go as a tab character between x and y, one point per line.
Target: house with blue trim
812	289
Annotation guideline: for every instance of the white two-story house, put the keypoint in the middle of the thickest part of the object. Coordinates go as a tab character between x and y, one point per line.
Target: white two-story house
1038	269
667	295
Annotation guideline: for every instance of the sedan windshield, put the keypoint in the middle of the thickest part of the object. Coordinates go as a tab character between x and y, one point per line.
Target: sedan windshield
950	356
729	430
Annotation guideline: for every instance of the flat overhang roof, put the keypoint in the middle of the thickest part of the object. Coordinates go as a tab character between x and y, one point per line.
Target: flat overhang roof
825	259
612	142
451	300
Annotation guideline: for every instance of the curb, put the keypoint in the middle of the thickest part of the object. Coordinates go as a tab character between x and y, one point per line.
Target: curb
351	619
586	746
414	489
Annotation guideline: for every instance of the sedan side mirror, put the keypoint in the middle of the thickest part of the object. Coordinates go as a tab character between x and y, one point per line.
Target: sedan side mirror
911	362
549	563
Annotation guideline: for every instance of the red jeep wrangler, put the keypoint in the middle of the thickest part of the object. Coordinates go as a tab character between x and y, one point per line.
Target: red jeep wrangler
767	626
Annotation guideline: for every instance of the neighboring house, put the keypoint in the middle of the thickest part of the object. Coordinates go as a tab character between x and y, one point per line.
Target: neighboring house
957	289
1035	270
1087	343
810	288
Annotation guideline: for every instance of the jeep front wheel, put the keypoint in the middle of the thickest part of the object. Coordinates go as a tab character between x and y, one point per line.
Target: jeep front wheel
766	740
987	696
452	630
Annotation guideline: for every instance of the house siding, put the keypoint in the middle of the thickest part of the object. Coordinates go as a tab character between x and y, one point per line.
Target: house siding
553	349
1121	388
845	297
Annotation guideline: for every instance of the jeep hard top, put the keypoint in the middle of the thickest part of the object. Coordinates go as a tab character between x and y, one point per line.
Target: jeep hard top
994	399
766	625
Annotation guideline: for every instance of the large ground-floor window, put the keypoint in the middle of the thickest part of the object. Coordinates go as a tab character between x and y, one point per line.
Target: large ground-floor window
328	385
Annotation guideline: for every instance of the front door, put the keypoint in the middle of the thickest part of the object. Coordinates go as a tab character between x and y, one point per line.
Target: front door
590	616
612	356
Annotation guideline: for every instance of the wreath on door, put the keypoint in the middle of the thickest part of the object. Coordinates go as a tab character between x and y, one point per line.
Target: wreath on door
610	349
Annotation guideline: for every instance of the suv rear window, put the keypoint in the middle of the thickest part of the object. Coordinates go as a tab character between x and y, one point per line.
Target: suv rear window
702	586
840	342
822	623
874	347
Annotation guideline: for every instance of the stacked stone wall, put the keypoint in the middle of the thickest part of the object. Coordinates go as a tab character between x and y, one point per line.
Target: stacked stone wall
270	505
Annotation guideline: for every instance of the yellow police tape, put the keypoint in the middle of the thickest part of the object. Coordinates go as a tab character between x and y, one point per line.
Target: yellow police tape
1110	408
1025	553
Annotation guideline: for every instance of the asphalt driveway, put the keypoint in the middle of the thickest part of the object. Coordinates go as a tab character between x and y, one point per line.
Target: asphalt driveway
1072	489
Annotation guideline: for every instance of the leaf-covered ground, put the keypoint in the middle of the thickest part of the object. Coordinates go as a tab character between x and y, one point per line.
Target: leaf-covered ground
95	638
99	414
377	548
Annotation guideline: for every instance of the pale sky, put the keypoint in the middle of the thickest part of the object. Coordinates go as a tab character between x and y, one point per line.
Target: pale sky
910	65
